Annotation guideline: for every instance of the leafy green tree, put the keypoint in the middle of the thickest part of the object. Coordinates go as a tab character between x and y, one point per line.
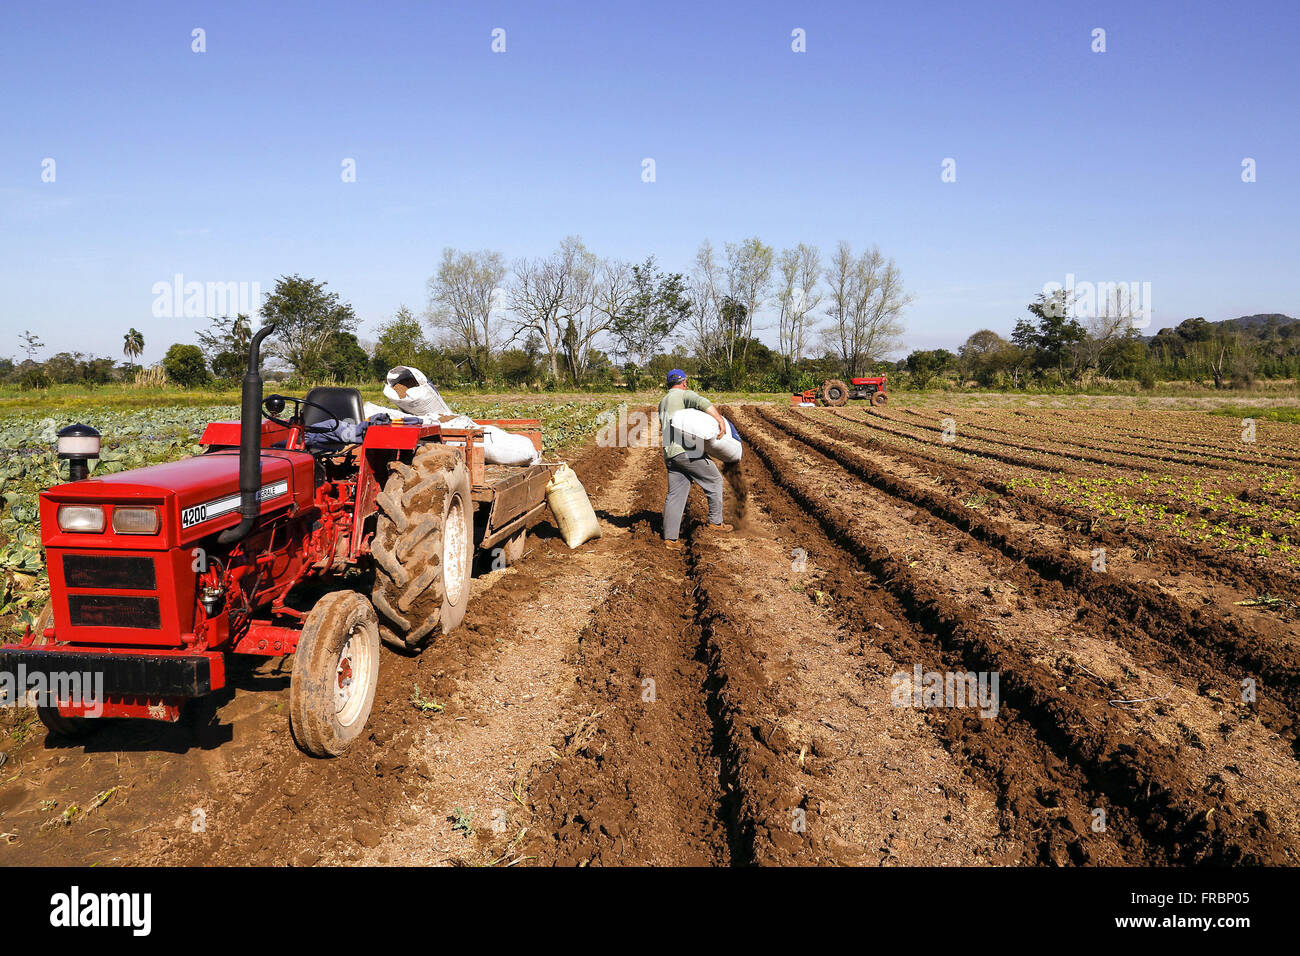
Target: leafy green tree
925	365
401	341
659	303
1050	337
225	345
76	368
307	319
185	365
345	359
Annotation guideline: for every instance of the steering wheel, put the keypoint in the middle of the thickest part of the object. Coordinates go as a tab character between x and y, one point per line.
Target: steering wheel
274	405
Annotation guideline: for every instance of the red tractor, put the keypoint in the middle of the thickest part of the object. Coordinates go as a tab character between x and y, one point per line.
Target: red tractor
835	393
159	573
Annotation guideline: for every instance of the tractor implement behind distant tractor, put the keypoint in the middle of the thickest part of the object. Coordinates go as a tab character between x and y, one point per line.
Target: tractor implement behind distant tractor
158	574
835	393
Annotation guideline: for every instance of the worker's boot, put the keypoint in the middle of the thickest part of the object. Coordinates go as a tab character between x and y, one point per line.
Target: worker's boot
673	544
720	528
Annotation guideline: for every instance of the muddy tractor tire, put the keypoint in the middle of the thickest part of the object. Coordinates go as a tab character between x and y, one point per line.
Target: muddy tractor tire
335	673
834	393
70	728
423	548
879	398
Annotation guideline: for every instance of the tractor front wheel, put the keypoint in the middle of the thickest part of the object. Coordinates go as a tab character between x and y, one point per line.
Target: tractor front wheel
880	398
72	728
58	725
335	672
835	393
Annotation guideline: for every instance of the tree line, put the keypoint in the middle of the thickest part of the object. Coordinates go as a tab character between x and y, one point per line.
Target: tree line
1052	348
573	319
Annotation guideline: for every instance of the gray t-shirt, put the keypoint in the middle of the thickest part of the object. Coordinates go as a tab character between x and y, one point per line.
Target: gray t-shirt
669	405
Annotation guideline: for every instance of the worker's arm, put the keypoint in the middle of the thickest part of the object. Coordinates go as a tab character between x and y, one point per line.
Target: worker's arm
717	416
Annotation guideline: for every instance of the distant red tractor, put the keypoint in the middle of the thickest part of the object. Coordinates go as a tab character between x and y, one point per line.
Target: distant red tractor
158	574
835	393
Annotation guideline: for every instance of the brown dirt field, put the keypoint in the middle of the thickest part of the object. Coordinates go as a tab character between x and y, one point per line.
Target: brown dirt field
737	702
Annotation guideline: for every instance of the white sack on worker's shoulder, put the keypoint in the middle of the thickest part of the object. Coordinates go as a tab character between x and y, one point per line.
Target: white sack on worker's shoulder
422	400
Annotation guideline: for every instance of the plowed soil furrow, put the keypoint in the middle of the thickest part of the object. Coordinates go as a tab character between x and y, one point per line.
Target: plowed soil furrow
1041	655
967	473
641	777
1055	457
1006	455
812	745
1260	453
1212	648
1138	447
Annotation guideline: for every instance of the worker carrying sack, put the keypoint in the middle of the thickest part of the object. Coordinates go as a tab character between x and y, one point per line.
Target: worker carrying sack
573	512
697	432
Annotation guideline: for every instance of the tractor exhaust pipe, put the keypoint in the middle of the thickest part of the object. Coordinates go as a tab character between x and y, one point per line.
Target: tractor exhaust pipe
250	441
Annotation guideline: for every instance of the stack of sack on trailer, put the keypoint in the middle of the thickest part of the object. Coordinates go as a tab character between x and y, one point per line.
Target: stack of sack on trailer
409	390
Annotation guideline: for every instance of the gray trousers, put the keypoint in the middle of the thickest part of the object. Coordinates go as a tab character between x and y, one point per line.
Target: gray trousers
683	470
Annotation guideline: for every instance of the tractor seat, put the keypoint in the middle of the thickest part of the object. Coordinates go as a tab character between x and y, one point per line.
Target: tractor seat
342	403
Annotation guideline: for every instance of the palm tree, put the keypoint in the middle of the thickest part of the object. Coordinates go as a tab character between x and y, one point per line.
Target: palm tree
133	345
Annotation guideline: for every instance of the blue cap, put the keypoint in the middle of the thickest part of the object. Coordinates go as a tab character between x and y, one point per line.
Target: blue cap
675	377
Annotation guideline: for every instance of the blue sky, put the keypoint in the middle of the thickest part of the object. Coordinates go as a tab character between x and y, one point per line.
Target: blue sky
225	165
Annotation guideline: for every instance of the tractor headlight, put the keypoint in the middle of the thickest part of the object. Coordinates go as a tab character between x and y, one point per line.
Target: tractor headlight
135	520
81	519
78	441
79	444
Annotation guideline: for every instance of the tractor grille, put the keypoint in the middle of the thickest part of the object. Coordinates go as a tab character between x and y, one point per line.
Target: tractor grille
114	610
109	573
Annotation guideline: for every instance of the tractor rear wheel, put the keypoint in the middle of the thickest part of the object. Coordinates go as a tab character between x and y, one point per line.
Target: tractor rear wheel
69	727
834	392
880	398
423	548
335	672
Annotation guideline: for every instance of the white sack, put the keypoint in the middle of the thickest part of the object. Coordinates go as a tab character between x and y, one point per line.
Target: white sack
423	400
698	431
574	515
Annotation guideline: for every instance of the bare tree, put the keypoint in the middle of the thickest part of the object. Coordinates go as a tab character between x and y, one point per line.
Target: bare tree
798	297
462	297
706	292
749	279
559	298
866	300
725	297
610	295
1112	321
